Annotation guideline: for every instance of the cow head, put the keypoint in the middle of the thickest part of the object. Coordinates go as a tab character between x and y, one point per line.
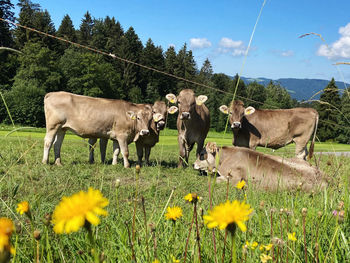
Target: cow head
186	102
142	117
159	112
208	158
236	112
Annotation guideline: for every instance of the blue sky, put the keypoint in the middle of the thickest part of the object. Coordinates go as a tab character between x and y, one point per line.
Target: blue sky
220	30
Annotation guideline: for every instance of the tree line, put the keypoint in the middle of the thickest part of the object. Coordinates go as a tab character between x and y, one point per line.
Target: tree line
46	64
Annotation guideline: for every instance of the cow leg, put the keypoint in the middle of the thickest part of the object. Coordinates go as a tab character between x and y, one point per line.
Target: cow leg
125	151
57	146
116	150
182	151
49	138
300	148
92	144
103	146
139	150
199	148
147	154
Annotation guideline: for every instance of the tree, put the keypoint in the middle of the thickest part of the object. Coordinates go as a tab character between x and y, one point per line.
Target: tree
185	67
344	118
37	75
277	97
85	29
5	12
170	60
66	31
241	92
256	94
329	111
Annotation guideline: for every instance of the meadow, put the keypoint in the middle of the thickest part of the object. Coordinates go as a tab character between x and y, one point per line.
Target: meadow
136	229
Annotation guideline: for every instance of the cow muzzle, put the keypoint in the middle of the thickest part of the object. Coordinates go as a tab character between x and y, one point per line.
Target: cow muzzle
185	115
160	125
236	125
144	132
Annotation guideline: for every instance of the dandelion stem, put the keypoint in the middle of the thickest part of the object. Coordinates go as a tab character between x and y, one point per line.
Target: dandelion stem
271	220
211	206
188	237
198	238
304	233
146	231
133	257
233	250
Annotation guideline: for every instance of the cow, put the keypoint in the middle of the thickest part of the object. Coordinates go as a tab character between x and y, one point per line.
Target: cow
89	117
262	170
272	128
193	122
144	143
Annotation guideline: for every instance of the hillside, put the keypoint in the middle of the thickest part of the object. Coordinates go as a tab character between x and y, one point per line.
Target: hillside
300	89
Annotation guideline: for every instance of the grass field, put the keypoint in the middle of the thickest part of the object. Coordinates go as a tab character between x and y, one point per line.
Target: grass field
122	237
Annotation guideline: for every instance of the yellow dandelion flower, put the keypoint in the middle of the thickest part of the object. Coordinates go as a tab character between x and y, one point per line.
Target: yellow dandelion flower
6	229
264	258
156	261
254	245
70	214
292	237
191	198
240	184
173	213
268	247
22	207
228	213
175	260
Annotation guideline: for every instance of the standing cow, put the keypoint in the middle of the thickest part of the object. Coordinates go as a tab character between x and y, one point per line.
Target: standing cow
193	122
272	128
89	117
143	143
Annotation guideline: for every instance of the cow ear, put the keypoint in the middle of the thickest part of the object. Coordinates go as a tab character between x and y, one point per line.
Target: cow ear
224	109
171	97
131	114
211	147
157	117
248	111
173	109
201	99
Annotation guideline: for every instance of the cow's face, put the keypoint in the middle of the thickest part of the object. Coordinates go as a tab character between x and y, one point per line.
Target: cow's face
159	112
142	118
186	102
236	112
207	158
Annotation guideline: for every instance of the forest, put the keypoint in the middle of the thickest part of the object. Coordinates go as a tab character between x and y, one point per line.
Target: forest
34	64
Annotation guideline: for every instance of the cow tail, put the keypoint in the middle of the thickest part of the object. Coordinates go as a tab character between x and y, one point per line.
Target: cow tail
312	145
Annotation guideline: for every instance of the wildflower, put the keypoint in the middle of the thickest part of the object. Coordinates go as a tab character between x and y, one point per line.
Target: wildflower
23	207
156	261
191	198
264	258
252	245
175	260
173	213
72	212
292	236
266	247
227	214
6	229
240	184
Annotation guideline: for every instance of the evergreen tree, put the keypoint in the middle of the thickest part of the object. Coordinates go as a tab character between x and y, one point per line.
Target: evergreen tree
185	67
85	29
256	95
344	118
5	12
66	31
170	60
328	110
241	92
277	97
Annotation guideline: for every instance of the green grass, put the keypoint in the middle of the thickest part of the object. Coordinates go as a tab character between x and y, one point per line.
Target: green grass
23	177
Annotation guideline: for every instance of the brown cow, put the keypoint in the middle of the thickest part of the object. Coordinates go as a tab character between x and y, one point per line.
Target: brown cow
144	143
272	128
265	171
193	122
89	117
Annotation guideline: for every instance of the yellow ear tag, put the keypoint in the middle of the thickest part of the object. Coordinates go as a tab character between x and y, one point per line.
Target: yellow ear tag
172	101
155	118
199	103
133	117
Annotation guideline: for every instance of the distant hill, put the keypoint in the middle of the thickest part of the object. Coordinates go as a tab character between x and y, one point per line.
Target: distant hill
300	89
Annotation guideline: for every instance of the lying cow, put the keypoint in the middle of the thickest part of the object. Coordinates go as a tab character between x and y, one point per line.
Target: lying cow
144	143
89	117
272	128
265	171
193	122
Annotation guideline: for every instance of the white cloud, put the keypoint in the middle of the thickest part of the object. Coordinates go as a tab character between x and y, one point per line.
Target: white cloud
283	53
235	48
199	43
338	49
